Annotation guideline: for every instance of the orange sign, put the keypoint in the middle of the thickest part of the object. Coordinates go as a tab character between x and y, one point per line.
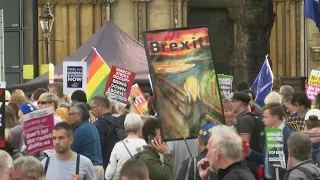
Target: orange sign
141	103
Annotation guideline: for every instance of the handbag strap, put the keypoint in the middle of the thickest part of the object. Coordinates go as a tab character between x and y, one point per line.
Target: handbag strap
127	148
78	164
194	168
189	165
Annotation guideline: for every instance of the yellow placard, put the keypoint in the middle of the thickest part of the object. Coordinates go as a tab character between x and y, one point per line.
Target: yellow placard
28	70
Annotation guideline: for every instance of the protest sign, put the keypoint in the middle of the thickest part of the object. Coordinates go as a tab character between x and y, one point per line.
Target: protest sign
2	113
38	127
74	76
274	139
184	80
119	84
225	84
141	103
313	87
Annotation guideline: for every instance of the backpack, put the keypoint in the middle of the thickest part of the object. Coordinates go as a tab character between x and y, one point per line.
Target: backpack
194	168
115	133
77	165
316	154
257	140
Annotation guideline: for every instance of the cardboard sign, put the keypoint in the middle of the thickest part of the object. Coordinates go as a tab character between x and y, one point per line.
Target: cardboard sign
38	127
74	76
2	113
119	84
184	80
274	139
141	103
225	84
313	87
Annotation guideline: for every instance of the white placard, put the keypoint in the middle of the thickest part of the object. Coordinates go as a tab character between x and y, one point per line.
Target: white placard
75	76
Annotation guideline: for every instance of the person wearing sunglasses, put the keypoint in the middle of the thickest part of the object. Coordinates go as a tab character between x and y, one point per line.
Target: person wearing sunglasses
47	100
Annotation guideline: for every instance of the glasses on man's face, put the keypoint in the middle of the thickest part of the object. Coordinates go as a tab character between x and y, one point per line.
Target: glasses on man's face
92	107
72	113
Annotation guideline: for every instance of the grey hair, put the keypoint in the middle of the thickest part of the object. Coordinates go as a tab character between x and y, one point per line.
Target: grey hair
286	91
30	167
83	109
133	123
6	163
227	141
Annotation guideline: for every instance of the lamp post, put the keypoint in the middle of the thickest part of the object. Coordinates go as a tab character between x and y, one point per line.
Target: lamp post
46	23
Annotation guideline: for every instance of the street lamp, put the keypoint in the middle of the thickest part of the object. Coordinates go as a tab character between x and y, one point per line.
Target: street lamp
46	23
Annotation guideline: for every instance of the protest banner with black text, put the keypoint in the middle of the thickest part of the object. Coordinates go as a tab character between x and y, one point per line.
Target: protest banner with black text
184	80
38	126
119	84
225	84
74	76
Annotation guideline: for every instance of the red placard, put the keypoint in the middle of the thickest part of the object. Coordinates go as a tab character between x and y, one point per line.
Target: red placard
119	84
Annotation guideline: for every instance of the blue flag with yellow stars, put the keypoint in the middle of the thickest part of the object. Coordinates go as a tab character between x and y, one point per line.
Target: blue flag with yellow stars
312	11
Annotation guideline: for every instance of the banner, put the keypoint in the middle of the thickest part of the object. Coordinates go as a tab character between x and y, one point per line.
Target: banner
225	84
119	84
184	80
141	103
38	127
74	76
274	139
2	113
313	87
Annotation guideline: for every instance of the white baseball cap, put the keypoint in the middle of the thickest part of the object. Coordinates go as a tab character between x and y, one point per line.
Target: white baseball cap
312	112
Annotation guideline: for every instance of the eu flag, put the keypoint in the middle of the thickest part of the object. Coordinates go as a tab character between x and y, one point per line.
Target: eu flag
263	83
312	11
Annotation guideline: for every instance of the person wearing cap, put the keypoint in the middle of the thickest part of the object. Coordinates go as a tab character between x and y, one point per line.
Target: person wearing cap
16	136
248	127
312	121
188	168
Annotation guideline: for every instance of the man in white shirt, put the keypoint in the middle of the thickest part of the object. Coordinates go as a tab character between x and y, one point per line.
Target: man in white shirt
66	164
124	150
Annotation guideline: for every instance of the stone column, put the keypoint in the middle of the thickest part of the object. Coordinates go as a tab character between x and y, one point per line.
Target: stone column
107	10
172	13
140	17
180	12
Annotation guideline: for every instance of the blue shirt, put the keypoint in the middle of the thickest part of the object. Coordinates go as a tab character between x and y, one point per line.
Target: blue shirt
87	142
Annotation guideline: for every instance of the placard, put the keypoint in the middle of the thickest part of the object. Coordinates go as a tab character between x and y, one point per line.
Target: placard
38	126
184	80
74	76
2	113
119	84
274	139
313	87
141	103
225	84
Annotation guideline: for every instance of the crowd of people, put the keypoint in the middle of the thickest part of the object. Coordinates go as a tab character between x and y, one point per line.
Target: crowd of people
104	139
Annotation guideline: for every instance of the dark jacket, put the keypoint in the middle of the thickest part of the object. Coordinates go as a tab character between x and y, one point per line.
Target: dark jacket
185	164
296	173
103	128
236	171
157	170
260	157
87	142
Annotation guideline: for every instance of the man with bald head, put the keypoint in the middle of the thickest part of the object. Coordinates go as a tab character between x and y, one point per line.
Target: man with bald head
5	165
224	152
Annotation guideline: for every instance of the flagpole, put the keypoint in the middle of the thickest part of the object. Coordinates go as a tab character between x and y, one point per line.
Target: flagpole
95	50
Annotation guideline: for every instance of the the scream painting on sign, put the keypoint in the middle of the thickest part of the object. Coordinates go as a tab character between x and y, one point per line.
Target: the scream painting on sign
184	80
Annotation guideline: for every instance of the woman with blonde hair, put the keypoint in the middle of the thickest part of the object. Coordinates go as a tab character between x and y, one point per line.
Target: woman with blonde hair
228	113
17	99
47	100
273	97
